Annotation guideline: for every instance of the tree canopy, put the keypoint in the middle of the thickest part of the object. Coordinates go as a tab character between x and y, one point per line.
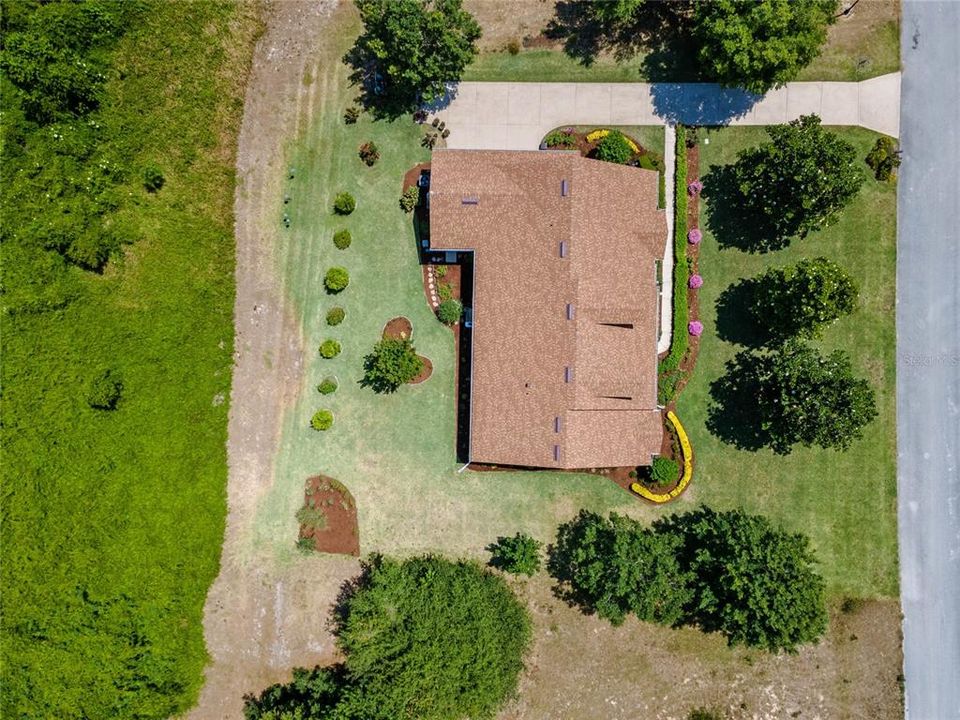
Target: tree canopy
802	298
393	362
760	44
410	49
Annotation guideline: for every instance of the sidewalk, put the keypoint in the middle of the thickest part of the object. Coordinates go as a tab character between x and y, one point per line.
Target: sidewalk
516	116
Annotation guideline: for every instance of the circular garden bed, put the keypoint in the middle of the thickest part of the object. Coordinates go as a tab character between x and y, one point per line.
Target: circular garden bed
400	328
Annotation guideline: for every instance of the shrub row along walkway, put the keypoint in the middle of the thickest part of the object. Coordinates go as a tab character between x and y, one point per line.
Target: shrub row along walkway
516	115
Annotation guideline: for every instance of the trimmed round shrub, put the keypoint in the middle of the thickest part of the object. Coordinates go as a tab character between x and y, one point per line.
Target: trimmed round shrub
344	203
342	239
695	328
335	315
694	236
518	555
695	282
328	386
450	312
104	391
614	148
329	349
322	420
336	279
664	471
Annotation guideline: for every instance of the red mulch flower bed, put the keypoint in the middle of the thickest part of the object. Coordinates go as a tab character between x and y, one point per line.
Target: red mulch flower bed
398	329
425	373
341	533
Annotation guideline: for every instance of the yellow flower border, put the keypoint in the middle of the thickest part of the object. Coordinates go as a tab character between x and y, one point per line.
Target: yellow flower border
602	133
687	467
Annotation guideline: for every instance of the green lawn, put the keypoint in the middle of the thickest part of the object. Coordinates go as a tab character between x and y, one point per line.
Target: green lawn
552	66
845	501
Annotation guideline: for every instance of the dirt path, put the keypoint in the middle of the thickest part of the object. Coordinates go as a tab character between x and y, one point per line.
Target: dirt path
259	620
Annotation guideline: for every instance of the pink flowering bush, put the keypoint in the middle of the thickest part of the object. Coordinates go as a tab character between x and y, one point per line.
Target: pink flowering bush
695	328
694	188
694	236
695	282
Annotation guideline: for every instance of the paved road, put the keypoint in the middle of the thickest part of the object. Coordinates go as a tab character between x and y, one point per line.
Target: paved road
515	116
928	362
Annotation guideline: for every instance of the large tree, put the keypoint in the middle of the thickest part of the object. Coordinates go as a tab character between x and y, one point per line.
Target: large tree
754	582
797	183
393	362
410	49
802	298
760	44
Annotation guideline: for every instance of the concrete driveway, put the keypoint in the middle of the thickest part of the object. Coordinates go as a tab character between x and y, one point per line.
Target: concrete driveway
928	360
516	116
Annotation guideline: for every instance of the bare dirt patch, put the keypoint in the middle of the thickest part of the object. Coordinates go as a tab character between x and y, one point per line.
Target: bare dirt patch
506	20
339	532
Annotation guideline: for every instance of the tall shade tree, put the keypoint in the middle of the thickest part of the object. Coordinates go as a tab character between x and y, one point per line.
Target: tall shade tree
798	182
410	49
801	299
614	12
754	582
760	44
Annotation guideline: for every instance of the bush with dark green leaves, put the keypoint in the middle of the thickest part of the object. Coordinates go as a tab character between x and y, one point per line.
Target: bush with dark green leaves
884	159
329	349
411	632
450	311
801	299
519	555
664	471
393	362
409	198
344	203
342	239
335	315
327	387
336	279
105	390
322	420
615	148
761	44
153	178
560	139
369	153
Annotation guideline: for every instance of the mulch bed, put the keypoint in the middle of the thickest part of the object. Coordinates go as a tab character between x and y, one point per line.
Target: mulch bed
413	175
425	373
342	533
398	329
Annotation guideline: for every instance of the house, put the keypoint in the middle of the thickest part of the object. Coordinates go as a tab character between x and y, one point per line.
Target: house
565	303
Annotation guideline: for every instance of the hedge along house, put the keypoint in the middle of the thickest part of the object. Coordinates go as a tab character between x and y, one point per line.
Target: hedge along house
565	304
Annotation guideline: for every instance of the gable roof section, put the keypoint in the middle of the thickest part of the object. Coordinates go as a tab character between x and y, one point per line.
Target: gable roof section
565	303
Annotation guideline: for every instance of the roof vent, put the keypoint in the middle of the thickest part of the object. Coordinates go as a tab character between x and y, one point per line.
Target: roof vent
470	200
564	187
563	248
556	453
568	374
557	424
569	311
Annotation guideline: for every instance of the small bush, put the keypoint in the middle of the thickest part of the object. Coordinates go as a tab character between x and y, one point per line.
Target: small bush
513	47
369	153
560	139
410	198
883	159
344	203
664	471
328	386
322	420
444	292
329	349
336	279
440	271
450	312
104	391
342	239
153	178
614	148
519	555
311	518
335	315
351	115
306	545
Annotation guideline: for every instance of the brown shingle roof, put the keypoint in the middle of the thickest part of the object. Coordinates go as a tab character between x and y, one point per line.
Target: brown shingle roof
531	364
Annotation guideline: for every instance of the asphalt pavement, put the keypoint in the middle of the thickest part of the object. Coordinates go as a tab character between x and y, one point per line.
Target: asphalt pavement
928	358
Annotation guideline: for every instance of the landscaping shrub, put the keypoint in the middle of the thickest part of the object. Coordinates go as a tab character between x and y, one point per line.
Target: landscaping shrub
313	518
664	471
351	115
883	158
678	340
444	292
409	198
329	349
614	148
321	420
104	391
393	362
342	239
369	153
153	178
306	546
328	386
560	139
335	315
513	47
336	279
440	271
518	555
344	203
450	312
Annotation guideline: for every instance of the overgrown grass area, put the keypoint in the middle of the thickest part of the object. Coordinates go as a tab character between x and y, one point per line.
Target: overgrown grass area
113	519
845	501
395	452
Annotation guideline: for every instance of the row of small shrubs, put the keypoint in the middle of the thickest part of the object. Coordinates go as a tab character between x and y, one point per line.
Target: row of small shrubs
678	343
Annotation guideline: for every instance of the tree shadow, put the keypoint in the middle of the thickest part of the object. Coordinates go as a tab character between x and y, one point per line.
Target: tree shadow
736	322
732	416
731	218
693	103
